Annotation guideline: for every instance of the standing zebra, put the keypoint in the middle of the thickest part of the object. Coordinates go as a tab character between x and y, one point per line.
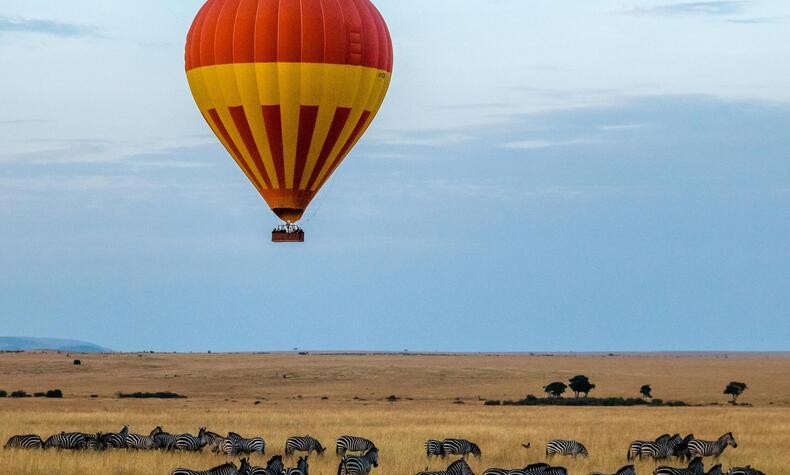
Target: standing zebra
434	448
460	447
565	447
66	440
350	443
747	470
30	441
143	442
303	444
704	448
273	467
695	467
224	469
191	443
116	440
301	468
635	449
660	450
627	470
255	445
459	467
359	465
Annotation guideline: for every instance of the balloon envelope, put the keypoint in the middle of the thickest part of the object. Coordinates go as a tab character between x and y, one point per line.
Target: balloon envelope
288	87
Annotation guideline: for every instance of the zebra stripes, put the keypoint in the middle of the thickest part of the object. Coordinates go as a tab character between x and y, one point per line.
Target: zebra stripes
225	469
273	467
705	448
635	449
565	447
460	447
715	470
255	445
350	443
359	465
627	470
66	441
143	442
434	448
95	441
191	443
116	440
300	469
303	444
533	469
30	441
459	467
748	470
695	467
660	450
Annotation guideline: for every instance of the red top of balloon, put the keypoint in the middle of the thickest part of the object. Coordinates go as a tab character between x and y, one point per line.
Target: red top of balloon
349	32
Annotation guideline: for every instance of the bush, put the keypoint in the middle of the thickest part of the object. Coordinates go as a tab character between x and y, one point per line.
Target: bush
19	393
77	362
492	402
156	395
3	393
39	394
54	393
590	401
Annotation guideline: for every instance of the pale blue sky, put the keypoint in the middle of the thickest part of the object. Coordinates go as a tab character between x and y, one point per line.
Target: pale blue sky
544	175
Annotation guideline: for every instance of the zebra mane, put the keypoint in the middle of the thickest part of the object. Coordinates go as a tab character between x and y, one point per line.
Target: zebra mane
274	459
533	466
625	469
224	465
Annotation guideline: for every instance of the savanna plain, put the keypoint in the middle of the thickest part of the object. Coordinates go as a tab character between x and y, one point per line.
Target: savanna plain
276	395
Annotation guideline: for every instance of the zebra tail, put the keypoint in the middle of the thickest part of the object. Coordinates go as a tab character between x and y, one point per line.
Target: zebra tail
340	467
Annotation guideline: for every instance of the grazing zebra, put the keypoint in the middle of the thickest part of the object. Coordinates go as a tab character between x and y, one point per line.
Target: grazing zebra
704	448
301	468
66	440
359	465
565	447
747	470
116	440
635	449
350	443
715	470
459	467
30	441
460	447
627	470
255	445
191	443
695	467
95	442
660	450
143	442
273	467
224	469
434	448
303	444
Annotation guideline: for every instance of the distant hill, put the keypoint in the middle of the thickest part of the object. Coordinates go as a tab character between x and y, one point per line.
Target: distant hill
14	343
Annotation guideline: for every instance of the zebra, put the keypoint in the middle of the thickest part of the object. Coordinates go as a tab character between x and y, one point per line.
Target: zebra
255	445
660	450
459	467
212	439
704	448
224	469
681	451
116	440
533	469
460	447
747	470
30	441
434	448
301	468
359	465
695	467
303	444
273	467
350	443
143	442
715	470
627	470
191	443
540	469
565	447
95	441
66	440
635	449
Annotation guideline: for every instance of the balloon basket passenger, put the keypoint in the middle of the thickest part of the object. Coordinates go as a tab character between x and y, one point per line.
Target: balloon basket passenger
288	233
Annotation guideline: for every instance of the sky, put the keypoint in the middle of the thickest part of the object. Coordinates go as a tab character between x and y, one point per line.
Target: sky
543	176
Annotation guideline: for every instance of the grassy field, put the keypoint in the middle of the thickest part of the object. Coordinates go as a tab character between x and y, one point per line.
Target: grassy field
223	390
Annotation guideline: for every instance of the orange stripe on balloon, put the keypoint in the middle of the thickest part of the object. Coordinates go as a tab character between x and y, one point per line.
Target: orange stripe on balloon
352	139
338	122
240	119
274	130
234	150
307	119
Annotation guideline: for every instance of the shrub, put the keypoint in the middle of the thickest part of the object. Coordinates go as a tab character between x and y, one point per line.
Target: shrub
77	362
590	401
392	398
3	393
19	393
492	402
54	393
154	395
39	394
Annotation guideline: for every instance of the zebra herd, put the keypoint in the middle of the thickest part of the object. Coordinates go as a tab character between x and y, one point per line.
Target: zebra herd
358	455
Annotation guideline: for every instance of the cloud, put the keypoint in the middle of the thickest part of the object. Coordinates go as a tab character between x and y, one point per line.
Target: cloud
709	8
47	27
538	144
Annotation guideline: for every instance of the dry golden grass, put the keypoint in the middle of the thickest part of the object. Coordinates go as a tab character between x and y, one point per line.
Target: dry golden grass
222	390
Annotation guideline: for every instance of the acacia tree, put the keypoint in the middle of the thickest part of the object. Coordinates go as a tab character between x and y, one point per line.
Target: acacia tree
581	384
555	389
735	389
645	391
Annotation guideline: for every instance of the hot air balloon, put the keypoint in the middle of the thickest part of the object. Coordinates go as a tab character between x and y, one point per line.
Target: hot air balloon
288	87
